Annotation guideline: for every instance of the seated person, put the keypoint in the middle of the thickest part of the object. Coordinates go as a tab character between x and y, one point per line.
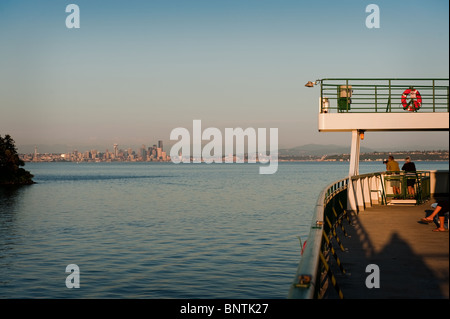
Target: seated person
441	210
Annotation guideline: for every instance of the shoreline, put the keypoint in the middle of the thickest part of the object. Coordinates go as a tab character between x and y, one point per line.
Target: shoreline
279	161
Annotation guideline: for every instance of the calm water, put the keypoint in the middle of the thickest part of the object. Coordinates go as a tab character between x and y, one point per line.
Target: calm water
142	230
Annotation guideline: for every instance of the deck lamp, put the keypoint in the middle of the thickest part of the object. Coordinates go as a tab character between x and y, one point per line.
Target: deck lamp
311	84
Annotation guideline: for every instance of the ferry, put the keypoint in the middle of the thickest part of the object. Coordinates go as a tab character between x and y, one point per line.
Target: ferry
365	242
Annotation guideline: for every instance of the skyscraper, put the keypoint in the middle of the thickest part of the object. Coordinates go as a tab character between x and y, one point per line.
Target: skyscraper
160	145
116	151
143	153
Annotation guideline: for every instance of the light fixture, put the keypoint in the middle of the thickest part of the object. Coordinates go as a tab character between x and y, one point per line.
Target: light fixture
361	135
311	84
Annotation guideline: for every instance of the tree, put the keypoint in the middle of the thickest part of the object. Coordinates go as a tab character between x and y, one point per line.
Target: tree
10	170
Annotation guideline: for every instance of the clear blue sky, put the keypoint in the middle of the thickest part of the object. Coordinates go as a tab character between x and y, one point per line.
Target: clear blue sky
137	69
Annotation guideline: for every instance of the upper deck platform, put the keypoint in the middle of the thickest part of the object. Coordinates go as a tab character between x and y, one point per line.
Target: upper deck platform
383	104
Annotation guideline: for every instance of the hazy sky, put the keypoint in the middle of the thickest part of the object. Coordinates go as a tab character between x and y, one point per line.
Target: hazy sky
135	70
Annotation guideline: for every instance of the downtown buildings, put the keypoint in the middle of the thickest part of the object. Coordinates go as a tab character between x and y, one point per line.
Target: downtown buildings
154	153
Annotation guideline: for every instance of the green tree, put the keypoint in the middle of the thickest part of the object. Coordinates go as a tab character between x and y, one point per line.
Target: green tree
10	170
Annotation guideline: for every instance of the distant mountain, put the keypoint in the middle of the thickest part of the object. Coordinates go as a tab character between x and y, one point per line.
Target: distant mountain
319	150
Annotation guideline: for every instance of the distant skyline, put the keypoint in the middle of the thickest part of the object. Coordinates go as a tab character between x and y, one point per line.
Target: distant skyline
61	148
135	70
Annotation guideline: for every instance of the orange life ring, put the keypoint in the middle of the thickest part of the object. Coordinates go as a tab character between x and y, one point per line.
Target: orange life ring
416	100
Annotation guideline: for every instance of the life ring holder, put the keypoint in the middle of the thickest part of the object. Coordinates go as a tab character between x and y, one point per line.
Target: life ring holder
415	102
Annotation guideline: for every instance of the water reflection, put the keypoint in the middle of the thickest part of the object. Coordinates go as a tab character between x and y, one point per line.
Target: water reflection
10	197
195	226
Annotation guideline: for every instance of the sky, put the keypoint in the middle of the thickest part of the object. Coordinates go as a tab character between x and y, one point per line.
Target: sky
136	70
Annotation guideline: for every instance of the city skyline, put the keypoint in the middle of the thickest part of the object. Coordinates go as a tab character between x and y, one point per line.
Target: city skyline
157	153
154	153
314	148
139	70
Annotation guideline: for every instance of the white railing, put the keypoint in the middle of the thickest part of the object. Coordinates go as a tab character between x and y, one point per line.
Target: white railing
355	193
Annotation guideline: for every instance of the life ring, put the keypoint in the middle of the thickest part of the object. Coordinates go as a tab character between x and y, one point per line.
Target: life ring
416	100
303	248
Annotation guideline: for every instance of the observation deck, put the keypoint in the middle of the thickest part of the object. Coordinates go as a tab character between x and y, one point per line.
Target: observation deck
360	105
383	105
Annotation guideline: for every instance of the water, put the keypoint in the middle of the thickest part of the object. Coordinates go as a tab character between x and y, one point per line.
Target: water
160	230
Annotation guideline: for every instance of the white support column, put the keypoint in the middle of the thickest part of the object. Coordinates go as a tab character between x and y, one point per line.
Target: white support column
375	191
353	171
351	196
366	192
359	195
354	153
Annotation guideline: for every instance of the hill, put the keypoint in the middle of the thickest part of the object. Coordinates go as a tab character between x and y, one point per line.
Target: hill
319	150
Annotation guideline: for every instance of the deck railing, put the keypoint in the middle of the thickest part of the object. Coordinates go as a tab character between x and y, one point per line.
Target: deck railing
314	273
420	181
359	95
309	278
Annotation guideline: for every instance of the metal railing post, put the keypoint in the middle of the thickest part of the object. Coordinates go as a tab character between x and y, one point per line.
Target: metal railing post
389	96
321	97
447	99
434	98
376	97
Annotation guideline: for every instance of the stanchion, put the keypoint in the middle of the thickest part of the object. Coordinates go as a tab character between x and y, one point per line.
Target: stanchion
338	261
334	233
330	274
339	221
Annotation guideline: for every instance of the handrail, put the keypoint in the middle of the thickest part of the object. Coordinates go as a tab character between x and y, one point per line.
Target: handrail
306	278
384	79
421	184
329	212
364	95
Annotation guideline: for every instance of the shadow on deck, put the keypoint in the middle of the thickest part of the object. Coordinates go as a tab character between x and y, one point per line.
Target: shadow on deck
413	260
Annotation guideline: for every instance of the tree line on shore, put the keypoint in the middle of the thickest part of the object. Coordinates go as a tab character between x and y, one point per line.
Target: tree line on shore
11	172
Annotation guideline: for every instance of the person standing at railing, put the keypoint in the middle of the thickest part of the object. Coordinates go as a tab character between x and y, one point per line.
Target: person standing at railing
392	166
410	169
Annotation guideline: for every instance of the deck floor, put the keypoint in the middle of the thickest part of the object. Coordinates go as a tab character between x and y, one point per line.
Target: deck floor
413	260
